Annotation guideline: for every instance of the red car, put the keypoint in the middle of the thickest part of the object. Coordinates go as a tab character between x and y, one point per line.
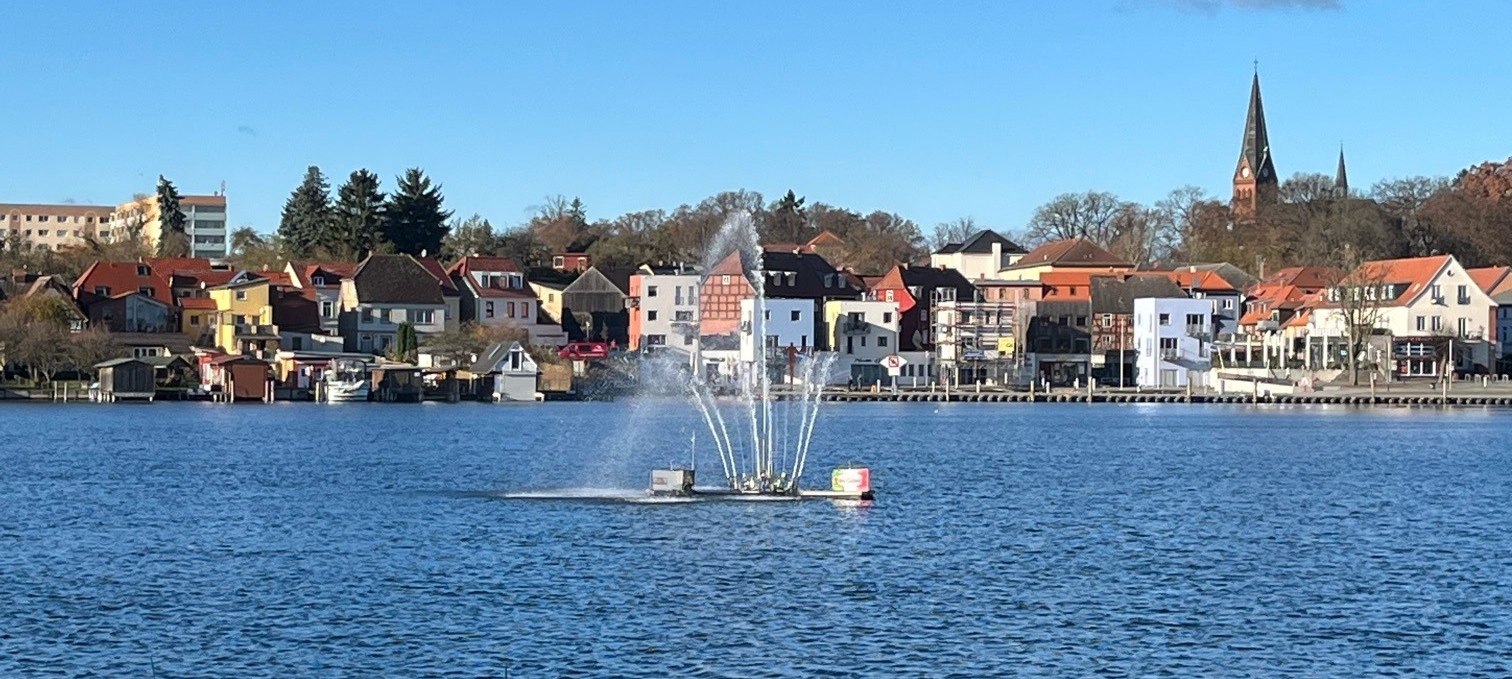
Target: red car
584	351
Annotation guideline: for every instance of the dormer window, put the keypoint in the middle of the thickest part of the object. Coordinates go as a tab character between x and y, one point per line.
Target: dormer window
146	292
143	270
102	290
317	280
792	279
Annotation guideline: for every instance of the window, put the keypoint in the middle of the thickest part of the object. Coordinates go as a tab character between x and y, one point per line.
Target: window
1081	321
101	290
882	341
1436	294
488	309
887	317
651	315
194	319
317	280
1107	320
650	291
766	315
327	309
724	279
1228	303
561	262
1165	319
1194	319
241	295
424	316
509	309
1168	344
677	295
796	314
41	232
1422	323
367	317
803	341
682	316
147	292
1438	323
1464	326
143	270
656	340
1464	294
863	340
42	218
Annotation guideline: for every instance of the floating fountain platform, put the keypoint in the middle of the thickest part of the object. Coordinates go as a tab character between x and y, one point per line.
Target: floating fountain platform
846	483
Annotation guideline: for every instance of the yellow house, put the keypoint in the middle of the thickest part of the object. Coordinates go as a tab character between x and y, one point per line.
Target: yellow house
197	319
244	318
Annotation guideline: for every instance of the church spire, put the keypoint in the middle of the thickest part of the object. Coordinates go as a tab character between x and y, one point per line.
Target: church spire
1341	178
1255	176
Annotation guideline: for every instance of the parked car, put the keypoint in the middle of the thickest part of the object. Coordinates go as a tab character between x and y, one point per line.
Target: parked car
584	351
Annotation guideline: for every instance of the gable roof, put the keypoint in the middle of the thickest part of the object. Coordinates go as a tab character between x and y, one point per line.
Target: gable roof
1239	278
1304	277
1116	294
1411	276
1204	280
332	272
980	243
1070	253
122	277
395	279
471	263
1489	278
618	275
432	266
813	277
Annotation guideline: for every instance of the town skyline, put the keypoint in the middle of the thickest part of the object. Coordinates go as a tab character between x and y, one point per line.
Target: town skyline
954	137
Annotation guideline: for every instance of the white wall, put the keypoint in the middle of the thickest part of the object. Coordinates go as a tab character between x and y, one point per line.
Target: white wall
791	321
674	293
1181	338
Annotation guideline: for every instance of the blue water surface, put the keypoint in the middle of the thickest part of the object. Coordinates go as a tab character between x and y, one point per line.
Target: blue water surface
201	540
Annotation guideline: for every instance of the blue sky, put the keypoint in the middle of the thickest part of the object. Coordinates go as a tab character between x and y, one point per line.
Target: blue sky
934	110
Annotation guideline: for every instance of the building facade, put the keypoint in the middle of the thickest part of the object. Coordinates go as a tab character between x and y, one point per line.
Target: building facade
1174	339
205	223
664	307
52	227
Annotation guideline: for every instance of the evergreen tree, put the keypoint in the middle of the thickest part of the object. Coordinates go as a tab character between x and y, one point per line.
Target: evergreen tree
406	343
173	241
358	224
413	219
787	221
472	236
306	222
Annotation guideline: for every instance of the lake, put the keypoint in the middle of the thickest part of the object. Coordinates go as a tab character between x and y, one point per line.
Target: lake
1052	540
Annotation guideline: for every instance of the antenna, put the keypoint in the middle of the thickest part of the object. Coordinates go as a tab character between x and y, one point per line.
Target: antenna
223	188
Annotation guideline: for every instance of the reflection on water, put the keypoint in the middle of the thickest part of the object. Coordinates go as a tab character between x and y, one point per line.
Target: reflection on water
291	540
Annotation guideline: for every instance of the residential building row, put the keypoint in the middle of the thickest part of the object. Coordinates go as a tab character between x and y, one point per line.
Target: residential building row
52	227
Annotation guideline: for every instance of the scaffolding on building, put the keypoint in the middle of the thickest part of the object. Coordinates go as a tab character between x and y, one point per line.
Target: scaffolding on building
978	341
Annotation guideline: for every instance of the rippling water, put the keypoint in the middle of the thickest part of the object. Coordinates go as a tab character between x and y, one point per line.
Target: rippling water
304	540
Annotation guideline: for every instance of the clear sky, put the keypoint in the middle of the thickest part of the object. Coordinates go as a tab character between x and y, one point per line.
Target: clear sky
934	110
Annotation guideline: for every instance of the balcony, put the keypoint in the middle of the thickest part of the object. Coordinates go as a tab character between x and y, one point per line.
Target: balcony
244	330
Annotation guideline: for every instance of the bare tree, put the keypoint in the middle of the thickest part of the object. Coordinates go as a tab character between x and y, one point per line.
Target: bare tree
1091	215
954	231
1404	199
1358	295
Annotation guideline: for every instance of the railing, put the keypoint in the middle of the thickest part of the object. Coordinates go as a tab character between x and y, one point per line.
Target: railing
251	329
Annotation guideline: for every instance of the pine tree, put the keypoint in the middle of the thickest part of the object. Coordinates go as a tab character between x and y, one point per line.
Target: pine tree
413	219
173	241
306	223
358	222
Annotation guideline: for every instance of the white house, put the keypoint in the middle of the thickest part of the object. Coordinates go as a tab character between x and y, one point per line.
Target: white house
1428	307
786	323
1173	337
981	256
862	333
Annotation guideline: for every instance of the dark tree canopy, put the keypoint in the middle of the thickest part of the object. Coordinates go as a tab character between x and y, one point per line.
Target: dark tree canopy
173	241
306	221
414	220
357	218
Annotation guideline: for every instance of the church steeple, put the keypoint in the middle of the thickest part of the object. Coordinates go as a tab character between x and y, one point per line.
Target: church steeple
1255	175
1341	178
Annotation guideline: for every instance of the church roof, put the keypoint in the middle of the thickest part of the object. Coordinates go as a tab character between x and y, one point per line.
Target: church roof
1255	151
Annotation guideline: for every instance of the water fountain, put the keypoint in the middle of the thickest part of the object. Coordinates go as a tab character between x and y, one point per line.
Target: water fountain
762	450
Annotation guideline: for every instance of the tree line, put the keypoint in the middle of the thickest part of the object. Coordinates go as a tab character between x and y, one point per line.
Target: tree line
1312	222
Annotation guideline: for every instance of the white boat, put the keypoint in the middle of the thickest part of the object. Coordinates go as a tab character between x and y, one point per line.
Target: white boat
347	381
